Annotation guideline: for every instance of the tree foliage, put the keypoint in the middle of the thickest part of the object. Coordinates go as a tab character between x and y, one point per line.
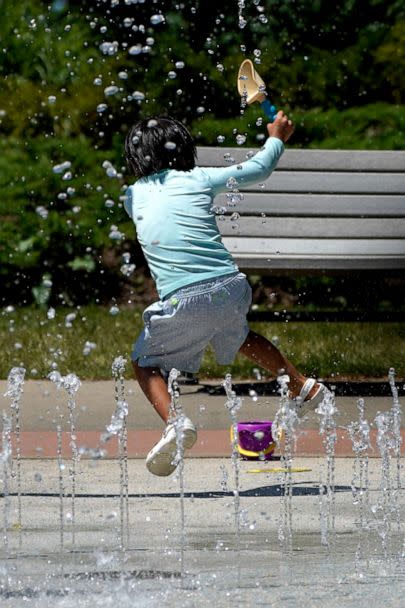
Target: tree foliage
75	75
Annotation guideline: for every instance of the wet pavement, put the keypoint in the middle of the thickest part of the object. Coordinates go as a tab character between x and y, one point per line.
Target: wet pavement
226	533
188	551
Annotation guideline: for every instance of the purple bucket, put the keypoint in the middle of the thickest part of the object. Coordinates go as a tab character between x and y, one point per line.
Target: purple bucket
255	440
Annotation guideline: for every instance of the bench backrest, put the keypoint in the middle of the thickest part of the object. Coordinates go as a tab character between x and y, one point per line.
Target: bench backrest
319	210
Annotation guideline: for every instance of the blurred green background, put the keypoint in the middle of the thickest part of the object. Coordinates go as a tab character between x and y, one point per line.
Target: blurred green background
75	75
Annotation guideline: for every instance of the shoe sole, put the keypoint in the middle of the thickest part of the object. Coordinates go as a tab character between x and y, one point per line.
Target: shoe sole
161	463
313	403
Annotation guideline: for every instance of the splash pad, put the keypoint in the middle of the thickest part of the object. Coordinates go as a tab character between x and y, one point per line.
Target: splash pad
81	528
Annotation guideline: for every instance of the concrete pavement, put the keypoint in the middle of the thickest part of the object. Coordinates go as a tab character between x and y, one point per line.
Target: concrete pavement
189	552
225	543
43	407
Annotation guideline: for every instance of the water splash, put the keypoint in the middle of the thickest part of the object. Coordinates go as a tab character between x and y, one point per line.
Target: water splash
233	405
15	388
176	417
359	433
396	417
284	425
71	384
387	508
119	425
6	459
327	411
61	468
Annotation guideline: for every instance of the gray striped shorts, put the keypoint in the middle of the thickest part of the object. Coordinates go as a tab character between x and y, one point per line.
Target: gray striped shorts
178	329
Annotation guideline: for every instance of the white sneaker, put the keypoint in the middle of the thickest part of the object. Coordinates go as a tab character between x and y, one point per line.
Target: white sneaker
161	458
303	404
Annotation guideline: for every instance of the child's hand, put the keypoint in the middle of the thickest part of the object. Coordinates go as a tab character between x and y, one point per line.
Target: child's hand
282	127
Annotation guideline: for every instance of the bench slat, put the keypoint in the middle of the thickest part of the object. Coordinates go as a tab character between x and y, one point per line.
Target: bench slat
313	227
314	160
319	204
269	255
361	183
315	247
293	263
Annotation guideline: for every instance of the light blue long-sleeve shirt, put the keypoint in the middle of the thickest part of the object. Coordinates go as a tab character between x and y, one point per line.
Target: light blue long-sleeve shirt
175	224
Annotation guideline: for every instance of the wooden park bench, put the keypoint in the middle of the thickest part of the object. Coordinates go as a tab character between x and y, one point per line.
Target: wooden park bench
320	211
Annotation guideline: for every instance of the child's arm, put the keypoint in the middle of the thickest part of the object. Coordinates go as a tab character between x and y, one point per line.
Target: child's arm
260	166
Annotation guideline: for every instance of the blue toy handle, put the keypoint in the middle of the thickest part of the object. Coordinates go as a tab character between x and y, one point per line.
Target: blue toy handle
269	109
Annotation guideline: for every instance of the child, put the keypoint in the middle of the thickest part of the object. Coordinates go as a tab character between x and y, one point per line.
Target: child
204	298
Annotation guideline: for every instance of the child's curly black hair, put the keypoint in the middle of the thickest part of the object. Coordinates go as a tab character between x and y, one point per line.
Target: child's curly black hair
157	143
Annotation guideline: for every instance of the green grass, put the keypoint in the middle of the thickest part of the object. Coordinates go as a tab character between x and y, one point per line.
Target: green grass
322	349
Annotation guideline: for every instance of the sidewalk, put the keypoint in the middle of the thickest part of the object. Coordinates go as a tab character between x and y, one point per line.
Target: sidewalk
42	406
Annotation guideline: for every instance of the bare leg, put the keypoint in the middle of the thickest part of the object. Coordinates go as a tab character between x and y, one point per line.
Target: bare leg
264	353
154	386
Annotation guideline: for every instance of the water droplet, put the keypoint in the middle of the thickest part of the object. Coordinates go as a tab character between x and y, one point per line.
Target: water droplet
51	99
171	75
170	145
42	212
138	95
109	48
232	182
127	269
111	172
200	110
179	65
62	167
69	319
111	90
240	139
220	139
152	123
115	234
257	373
254	397
114	310
220	67
135	50
88	347
156	19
